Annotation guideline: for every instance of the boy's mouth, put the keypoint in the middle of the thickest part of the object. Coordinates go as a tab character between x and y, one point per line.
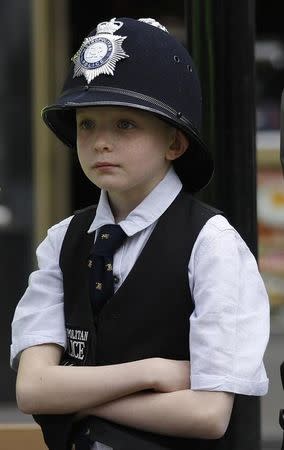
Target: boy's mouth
104	164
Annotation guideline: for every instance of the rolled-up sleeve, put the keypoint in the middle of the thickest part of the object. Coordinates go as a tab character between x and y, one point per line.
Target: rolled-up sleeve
39	315
229	327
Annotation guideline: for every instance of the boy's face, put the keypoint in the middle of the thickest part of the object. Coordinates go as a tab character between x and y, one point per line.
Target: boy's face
123	150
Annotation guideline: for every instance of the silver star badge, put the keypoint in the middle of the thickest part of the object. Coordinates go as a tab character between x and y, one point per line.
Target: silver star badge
99	54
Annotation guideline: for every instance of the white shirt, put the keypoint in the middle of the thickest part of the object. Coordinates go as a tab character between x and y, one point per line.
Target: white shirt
229	327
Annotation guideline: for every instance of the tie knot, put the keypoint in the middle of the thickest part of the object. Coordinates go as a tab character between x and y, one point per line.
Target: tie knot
109	239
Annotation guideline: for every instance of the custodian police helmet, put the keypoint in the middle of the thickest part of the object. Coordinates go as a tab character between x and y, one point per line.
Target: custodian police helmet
136	63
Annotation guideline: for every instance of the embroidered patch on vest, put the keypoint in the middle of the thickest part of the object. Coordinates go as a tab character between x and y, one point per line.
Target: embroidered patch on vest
78	342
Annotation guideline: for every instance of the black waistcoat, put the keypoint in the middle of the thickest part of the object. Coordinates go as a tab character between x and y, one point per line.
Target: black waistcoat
147	317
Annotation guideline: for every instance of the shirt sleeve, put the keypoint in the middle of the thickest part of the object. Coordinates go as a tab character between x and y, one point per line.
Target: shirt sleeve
229	327
39	315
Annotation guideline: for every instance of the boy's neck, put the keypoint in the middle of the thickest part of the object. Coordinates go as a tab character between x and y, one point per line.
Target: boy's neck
122	203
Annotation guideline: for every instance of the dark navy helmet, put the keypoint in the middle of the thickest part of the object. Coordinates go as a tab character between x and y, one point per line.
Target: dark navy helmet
136	63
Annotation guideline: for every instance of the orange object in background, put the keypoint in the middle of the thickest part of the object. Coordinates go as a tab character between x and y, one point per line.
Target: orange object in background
270	204
21	437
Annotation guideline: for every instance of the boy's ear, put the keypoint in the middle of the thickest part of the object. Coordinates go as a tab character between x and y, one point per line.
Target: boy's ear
178	146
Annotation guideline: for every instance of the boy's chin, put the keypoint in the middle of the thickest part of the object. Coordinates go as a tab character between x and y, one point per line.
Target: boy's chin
108	186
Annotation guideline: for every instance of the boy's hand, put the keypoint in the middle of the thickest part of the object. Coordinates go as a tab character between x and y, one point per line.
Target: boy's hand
170	375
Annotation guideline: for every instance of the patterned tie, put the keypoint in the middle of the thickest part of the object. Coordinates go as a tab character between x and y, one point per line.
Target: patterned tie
109	239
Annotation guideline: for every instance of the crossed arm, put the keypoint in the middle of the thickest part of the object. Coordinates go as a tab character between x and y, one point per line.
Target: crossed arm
151	394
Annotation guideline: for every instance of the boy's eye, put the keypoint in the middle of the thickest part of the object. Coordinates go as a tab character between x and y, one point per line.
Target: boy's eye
86	124
125	124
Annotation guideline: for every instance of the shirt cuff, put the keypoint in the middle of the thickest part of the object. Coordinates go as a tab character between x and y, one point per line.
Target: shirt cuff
230	384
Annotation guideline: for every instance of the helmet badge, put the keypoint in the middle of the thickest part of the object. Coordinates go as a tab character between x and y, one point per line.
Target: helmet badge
99	53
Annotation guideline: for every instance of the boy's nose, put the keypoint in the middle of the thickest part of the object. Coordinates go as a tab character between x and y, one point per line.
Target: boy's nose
102	141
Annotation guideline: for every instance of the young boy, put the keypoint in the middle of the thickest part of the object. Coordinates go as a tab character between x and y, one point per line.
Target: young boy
106	369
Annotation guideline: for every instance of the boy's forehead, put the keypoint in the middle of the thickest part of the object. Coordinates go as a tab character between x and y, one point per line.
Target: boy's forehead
97	109
116	111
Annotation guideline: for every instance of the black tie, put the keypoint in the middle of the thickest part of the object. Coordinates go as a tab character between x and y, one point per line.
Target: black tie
109	239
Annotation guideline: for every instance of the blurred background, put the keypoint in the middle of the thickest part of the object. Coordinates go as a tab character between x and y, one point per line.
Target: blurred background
41	182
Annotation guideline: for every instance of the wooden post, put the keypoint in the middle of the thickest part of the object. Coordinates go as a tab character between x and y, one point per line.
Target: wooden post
50	157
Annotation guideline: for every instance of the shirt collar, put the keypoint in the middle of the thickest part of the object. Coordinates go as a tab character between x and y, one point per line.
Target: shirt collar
147	212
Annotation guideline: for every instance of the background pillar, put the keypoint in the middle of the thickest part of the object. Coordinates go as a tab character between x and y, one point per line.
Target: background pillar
221	40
